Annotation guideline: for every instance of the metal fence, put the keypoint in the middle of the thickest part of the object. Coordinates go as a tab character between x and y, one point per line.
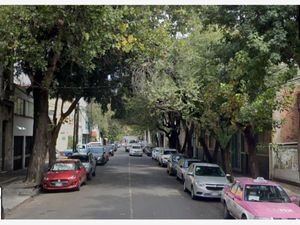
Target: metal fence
284	164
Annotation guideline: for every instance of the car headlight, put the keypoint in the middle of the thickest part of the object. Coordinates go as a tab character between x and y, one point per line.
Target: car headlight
200	184
99	158
73	177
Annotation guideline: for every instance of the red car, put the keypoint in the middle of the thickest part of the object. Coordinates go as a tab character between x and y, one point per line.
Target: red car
67	174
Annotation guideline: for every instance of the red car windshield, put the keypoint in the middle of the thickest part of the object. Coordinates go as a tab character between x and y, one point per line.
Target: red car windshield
63	166
265	193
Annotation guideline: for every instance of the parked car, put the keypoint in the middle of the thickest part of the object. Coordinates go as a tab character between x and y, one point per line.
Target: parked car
110	148
155	152
148	150
164	155
249	198
65	174
100	154
136	149
205	180
88	161
182	167
172	162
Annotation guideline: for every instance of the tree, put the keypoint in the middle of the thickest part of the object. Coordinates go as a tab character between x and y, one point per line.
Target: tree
258	39
46	38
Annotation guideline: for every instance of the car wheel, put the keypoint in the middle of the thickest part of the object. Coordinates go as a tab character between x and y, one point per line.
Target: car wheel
244	217
184	187
226	212
78	187
193	196
94	173
159	163
89	176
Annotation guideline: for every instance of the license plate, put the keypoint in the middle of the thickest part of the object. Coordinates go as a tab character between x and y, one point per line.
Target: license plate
215	194
57	184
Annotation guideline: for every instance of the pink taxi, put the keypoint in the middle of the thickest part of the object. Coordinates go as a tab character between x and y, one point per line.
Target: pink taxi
258	198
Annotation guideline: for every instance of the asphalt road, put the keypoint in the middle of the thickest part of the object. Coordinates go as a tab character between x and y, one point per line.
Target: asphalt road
125	188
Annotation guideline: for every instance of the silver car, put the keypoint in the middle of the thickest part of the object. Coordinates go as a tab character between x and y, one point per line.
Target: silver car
205	180
164	155
155	152
182	167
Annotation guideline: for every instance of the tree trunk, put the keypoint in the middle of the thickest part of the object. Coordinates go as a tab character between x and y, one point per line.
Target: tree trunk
205	149
251	144
215	154
40	136
226	159
174	140
52	144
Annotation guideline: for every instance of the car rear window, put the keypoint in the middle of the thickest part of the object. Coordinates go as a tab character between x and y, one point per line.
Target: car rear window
63	166
96	150
136	147
82	158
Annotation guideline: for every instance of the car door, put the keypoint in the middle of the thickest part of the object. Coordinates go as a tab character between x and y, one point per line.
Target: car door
229	197
189	179
238	198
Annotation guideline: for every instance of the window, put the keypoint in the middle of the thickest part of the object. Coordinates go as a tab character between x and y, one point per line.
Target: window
191	168
239	191
28	109
234	187
19	107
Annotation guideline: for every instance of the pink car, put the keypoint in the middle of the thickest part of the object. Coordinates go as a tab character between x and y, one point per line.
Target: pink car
258	198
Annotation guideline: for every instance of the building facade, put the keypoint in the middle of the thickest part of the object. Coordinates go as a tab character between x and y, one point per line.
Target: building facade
23	128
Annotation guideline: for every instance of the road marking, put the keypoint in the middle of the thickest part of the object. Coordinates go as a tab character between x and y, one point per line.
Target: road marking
130	191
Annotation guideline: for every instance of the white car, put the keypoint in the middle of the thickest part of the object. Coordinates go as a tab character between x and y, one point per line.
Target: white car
136	149
164	155
205	180
155	152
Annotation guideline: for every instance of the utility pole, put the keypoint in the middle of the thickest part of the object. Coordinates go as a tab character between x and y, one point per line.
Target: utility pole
75	128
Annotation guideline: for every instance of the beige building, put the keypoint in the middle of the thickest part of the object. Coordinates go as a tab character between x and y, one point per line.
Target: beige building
65	137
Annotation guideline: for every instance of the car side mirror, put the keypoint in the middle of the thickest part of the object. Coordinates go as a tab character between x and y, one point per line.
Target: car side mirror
228	175
294	199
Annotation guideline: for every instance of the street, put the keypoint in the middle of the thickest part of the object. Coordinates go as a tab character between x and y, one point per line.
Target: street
125	188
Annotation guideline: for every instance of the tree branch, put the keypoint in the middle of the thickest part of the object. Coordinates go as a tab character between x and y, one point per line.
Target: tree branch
55	110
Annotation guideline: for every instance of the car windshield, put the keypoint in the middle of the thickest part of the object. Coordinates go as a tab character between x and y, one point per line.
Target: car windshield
82	158
96	150
265	193
209	171
169	152
190	162
63	167
136	147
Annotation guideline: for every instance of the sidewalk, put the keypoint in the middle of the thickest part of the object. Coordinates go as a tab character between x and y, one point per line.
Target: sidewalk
15	192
